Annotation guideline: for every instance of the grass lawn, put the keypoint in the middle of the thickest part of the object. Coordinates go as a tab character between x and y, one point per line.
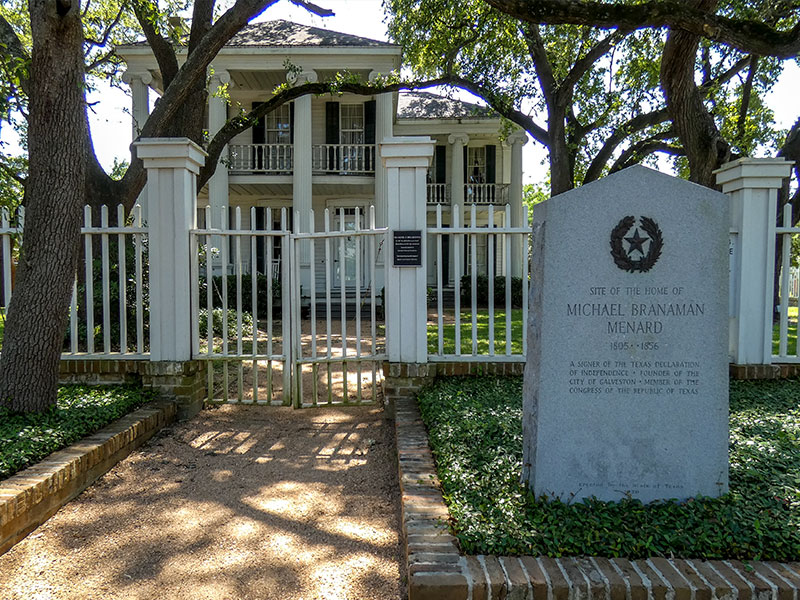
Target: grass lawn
482	318
475	431
79	411
791	338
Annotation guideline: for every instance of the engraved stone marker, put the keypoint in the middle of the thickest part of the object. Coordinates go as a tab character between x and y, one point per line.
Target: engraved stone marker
626	382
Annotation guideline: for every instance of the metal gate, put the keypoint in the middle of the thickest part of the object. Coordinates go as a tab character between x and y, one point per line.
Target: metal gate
289	317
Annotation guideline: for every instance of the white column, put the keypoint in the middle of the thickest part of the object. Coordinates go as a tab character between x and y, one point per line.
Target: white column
406	160
302	170
217	116
518	252
140	110
384	128
752	186
172	166
457	142
140	99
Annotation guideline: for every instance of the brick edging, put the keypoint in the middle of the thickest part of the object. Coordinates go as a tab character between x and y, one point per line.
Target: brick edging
33	495
436	569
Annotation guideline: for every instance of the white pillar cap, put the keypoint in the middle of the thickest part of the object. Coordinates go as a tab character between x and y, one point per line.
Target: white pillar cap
170	153
407	151
753	173
458	138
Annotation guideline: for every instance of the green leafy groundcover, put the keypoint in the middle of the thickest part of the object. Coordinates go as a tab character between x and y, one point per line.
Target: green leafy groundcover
79	411
475	428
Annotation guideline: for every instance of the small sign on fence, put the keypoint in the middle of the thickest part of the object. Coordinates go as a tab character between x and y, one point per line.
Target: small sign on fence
407	248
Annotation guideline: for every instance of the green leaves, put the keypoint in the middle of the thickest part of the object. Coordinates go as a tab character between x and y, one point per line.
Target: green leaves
476	434
79	411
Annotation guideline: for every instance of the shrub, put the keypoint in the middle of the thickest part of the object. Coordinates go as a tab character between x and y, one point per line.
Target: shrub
216	320
482	285
263	300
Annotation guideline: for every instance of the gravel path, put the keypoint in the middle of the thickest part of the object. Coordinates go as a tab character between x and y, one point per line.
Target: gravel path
240	502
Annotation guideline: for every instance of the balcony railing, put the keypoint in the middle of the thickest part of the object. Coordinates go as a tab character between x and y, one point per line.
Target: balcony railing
343	159
438	193
485	193
474	193
270	159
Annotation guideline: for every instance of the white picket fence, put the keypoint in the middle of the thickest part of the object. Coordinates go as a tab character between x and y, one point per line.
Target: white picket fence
108	313
788	291
496	240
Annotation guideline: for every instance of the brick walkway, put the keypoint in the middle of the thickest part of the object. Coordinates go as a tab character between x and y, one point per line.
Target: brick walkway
436	570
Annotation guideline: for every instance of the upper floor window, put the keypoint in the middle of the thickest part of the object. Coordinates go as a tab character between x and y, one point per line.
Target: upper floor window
277	126
476	165
351	124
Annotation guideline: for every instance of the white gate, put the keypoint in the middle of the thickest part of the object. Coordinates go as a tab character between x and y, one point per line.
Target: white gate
289	318
337	326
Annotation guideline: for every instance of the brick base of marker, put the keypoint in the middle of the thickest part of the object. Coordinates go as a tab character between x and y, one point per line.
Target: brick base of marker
437	571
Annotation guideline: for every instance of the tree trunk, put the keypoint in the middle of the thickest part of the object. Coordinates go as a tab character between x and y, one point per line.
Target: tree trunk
694	125
58	138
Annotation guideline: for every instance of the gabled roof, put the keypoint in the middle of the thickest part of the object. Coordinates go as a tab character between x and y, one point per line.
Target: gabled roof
424	105
279	33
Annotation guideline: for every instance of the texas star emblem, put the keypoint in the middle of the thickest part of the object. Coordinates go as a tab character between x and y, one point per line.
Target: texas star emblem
636	244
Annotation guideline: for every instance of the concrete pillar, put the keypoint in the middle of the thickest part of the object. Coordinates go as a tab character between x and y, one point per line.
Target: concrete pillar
302	171
406	160
457	143
140	110
384	128
217	116
752	185
140	99
172	166
518	251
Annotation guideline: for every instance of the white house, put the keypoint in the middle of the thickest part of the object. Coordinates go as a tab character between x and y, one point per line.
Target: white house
321	152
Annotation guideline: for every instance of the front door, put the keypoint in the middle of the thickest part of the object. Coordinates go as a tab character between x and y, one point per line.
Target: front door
349	250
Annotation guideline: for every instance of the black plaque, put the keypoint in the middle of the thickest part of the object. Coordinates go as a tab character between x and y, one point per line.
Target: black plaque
407	248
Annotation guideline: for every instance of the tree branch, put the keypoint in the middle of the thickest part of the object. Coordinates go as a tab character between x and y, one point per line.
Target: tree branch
745	106
752	37
107	33
241	123
161	48
619	135
16	51
313	8
639	150
583	64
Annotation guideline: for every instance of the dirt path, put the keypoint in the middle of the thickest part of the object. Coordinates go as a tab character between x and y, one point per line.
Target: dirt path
240	502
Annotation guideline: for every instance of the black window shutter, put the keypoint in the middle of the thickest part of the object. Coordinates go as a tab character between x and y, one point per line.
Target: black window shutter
260	128
441	164
331	122
369	122
491	164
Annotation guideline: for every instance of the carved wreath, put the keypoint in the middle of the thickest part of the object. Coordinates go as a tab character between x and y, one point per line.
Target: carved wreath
622	258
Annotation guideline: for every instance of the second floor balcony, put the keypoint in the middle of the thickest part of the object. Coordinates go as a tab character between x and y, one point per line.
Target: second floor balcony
326	159
474	193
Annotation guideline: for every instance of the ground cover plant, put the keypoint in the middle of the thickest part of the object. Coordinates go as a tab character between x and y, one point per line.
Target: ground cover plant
475	429
79	411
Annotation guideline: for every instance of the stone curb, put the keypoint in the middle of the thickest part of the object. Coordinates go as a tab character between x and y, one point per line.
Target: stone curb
436	569
32	496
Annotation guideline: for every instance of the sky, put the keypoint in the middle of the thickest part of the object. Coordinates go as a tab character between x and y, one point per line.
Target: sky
110	117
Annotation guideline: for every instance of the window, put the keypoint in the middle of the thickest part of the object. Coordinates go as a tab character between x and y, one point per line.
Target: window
352	124
476	165
277	126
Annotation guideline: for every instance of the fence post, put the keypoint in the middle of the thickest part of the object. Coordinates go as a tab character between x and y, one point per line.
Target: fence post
406	160
752	185
172	166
